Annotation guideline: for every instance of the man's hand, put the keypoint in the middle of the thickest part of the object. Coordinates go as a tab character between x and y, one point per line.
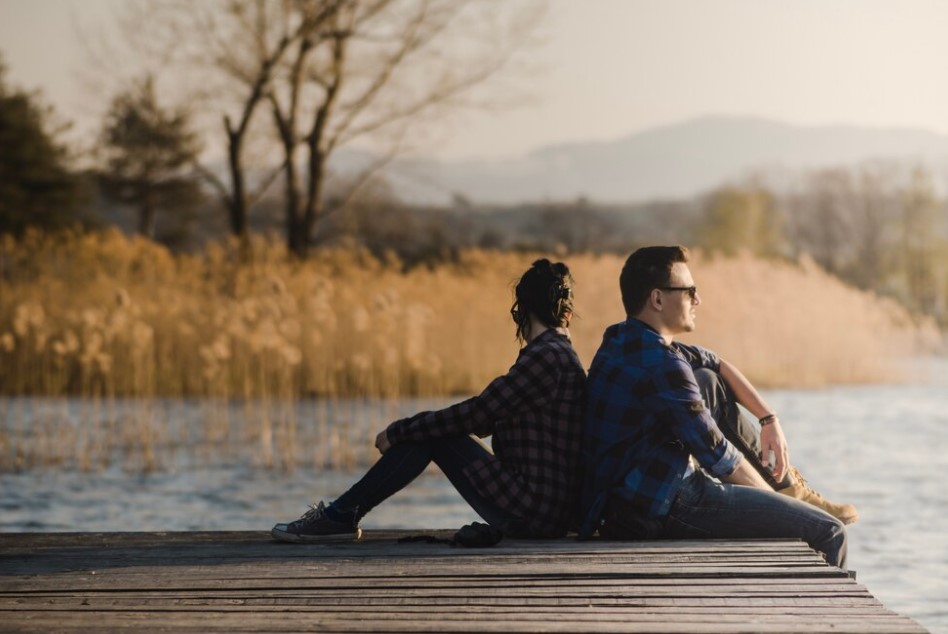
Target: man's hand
772	439
381	441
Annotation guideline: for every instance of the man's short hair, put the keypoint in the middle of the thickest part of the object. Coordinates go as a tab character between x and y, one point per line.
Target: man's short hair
646	269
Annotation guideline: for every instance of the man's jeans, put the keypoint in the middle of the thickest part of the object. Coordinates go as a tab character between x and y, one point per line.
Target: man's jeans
404	462
705	508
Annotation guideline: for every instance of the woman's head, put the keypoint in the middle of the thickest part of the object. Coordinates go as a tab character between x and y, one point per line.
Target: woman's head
546	292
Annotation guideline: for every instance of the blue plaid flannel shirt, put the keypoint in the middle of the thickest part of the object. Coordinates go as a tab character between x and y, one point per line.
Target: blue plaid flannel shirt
644	417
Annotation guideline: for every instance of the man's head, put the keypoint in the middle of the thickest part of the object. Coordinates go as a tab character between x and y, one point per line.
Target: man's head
657	287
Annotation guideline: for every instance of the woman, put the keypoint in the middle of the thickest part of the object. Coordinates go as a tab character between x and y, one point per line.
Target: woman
529	486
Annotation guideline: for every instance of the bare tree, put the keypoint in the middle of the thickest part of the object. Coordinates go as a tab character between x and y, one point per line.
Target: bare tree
920	237
874	209
819	218
235	50
330	72
373	67
578	226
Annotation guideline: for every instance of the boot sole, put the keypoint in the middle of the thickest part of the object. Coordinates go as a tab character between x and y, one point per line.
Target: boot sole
293	538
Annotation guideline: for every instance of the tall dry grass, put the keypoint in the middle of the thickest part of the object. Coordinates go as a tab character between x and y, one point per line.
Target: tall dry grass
102	316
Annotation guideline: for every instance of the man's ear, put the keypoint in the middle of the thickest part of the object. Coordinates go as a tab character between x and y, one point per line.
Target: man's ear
655	299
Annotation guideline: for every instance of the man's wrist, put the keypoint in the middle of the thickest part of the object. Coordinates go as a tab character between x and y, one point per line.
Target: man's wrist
767	419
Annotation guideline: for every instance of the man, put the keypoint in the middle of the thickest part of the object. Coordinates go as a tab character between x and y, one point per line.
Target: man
662	415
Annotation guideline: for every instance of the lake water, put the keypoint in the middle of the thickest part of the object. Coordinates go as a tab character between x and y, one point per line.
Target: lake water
883	448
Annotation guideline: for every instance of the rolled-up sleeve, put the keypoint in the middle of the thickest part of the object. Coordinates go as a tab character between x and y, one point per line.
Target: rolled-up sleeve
685	411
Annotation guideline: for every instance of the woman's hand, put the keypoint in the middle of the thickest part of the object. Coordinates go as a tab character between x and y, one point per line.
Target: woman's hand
381	441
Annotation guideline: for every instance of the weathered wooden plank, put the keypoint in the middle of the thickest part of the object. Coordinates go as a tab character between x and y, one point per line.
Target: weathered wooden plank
631	611
422	612
290	621
271	548
102	562
435	568
206	579
467	612
443	589
86	540
64	559
410	598
475	581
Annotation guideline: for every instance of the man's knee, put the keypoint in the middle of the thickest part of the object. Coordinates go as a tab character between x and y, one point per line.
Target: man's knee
711	385
835	542
721	404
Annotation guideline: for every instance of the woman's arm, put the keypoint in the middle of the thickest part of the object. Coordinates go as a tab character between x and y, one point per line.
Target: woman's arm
527	386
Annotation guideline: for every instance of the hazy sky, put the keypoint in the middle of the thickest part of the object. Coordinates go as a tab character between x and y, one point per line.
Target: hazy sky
613	67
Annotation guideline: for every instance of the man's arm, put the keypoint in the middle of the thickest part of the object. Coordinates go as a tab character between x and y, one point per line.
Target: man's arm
747	475
771	435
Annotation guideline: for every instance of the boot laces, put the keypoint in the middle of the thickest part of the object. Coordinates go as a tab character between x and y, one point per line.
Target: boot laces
804	484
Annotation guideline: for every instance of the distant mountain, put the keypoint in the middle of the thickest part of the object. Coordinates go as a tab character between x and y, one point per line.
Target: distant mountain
668	162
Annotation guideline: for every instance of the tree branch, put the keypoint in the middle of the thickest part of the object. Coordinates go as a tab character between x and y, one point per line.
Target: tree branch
214	181
254	198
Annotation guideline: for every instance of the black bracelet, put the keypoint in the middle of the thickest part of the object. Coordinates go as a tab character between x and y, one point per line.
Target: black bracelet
766	420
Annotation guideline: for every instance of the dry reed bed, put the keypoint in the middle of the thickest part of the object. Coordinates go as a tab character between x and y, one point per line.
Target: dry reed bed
101	316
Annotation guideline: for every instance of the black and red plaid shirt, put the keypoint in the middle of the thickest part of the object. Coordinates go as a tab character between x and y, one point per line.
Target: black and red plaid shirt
535	413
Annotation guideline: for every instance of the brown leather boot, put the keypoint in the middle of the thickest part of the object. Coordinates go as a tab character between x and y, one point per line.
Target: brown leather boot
800	490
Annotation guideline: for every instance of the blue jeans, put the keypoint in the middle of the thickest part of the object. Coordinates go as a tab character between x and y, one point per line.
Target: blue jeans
404	462
705	508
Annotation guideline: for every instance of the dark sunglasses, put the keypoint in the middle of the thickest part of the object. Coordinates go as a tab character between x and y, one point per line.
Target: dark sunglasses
691	290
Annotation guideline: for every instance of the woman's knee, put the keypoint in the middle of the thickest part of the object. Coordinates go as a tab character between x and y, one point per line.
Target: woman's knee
457	451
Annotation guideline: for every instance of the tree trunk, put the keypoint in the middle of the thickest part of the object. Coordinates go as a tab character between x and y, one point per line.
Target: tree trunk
146	216
314	199
294	227
237	205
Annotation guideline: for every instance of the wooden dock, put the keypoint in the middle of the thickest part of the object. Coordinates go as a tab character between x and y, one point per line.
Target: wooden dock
244	582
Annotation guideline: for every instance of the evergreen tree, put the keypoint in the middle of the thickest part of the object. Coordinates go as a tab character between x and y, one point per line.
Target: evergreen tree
37	188
149	158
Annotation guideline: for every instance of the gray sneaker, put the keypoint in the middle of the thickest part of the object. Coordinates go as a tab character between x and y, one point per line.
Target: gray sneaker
314	526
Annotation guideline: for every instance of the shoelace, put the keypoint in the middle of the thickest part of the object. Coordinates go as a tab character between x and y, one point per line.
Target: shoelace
315	512
803	483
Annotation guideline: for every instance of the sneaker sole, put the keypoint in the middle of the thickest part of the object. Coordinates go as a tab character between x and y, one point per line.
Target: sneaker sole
293	538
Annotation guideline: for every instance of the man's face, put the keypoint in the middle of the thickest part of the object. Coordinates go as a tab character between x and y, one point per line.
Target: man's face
679	306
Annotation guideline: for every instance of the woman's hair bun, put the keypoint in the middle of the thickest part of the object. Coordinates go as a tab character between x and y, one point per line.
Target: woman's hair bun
546	291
